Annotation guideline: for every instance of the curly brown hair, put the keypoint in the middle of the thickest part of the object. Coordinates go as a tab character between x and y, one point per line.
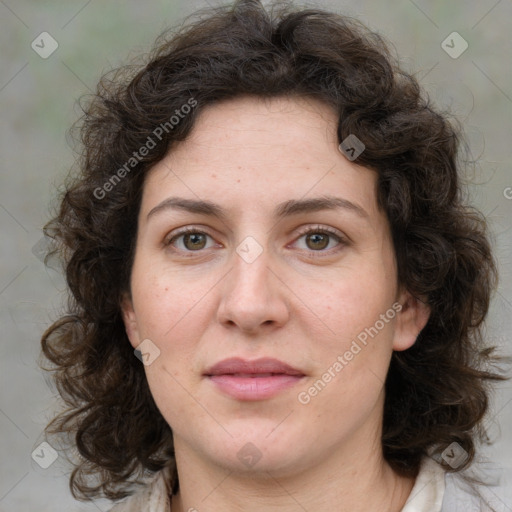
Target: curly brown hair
437	392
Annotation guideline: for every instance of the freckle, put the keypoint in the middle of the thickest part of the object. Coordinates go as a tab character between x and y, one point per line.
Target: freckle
214	175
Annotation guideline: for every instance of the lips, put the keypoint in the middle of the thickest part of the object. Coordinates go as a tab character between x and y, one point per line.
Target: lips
260	367
252	380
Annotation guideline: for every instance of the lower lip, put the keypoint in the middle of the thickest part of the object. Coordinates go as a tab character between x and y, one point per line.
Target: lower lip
254	388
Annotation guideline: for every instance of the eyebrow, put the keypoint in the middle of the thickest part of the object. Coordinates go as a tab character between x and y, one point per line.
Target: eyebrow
285	209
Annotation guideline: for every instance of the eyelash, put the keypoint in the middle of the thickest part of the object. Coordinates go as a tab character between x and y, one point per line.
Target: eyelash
342	241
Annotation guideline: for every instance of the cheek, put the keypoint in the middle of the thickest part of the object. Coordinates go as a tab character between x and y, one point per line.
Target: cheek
356	347
173	312
352	360
356	300
171	315
163	299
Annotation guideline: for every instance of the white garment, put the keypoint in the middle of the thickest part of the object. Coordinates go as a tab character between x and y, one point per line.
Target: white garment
429	489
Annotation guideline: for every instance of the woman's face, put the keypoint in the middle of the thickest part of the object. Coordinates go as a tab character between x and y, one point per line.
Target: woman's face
287	258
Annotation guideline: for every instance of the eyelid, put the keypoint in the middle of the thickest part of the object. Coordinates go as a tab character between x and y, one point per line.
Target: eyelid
322	229
183	231
343	241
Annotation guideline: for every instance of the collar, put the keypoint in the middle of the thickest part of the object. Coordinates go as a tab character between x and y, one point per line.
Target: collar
428	491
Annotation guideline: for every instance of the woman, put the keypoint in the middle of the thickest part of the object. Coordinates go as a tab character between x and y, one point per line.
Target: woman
278	287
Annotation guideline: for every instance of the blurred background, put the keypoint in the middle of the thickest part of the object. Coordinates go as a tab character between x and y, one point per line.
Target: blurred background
54	52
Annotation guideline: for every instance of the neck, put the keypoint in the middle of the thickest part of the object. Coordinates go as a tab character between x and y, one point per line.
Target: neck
362	482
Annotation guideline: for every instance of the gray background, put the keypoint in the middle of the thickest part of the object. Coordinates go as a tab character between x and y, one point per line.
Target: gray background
37	105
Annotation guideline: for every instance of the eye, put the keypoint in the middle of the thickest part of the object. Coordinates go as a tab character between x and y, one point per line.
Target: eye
318	239
192	240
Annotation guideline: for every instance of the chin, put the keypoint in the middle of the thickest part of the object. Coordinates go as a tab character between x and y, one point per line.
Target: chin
258	447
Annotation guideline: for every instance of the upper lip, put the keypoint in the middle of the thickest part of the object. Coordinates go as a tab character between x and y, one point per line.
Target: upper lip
236	365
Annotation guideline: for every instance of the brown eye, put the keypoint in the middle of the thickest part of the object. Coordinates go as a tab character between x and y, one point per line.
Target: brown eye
194	241
188	240
321	240
317	241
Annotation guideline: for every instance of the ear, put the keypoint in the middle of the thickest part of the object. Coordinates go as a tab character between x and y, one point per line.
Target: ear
130	321
410	320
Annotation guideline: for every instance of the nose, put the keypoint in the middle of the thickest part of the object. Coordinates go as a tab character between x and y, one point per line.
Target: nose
254	298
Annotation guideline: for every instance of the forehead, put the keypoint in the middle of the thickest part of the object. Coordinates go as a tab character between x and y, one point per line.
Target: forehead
257	151
291	125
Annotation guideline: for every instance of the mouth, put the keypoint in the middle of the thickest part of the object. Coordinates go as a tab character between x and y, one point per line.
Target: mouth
252	380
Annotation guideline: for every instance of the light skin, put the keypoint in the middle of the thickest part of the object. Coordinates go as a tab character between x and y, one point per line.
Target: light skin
303	301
